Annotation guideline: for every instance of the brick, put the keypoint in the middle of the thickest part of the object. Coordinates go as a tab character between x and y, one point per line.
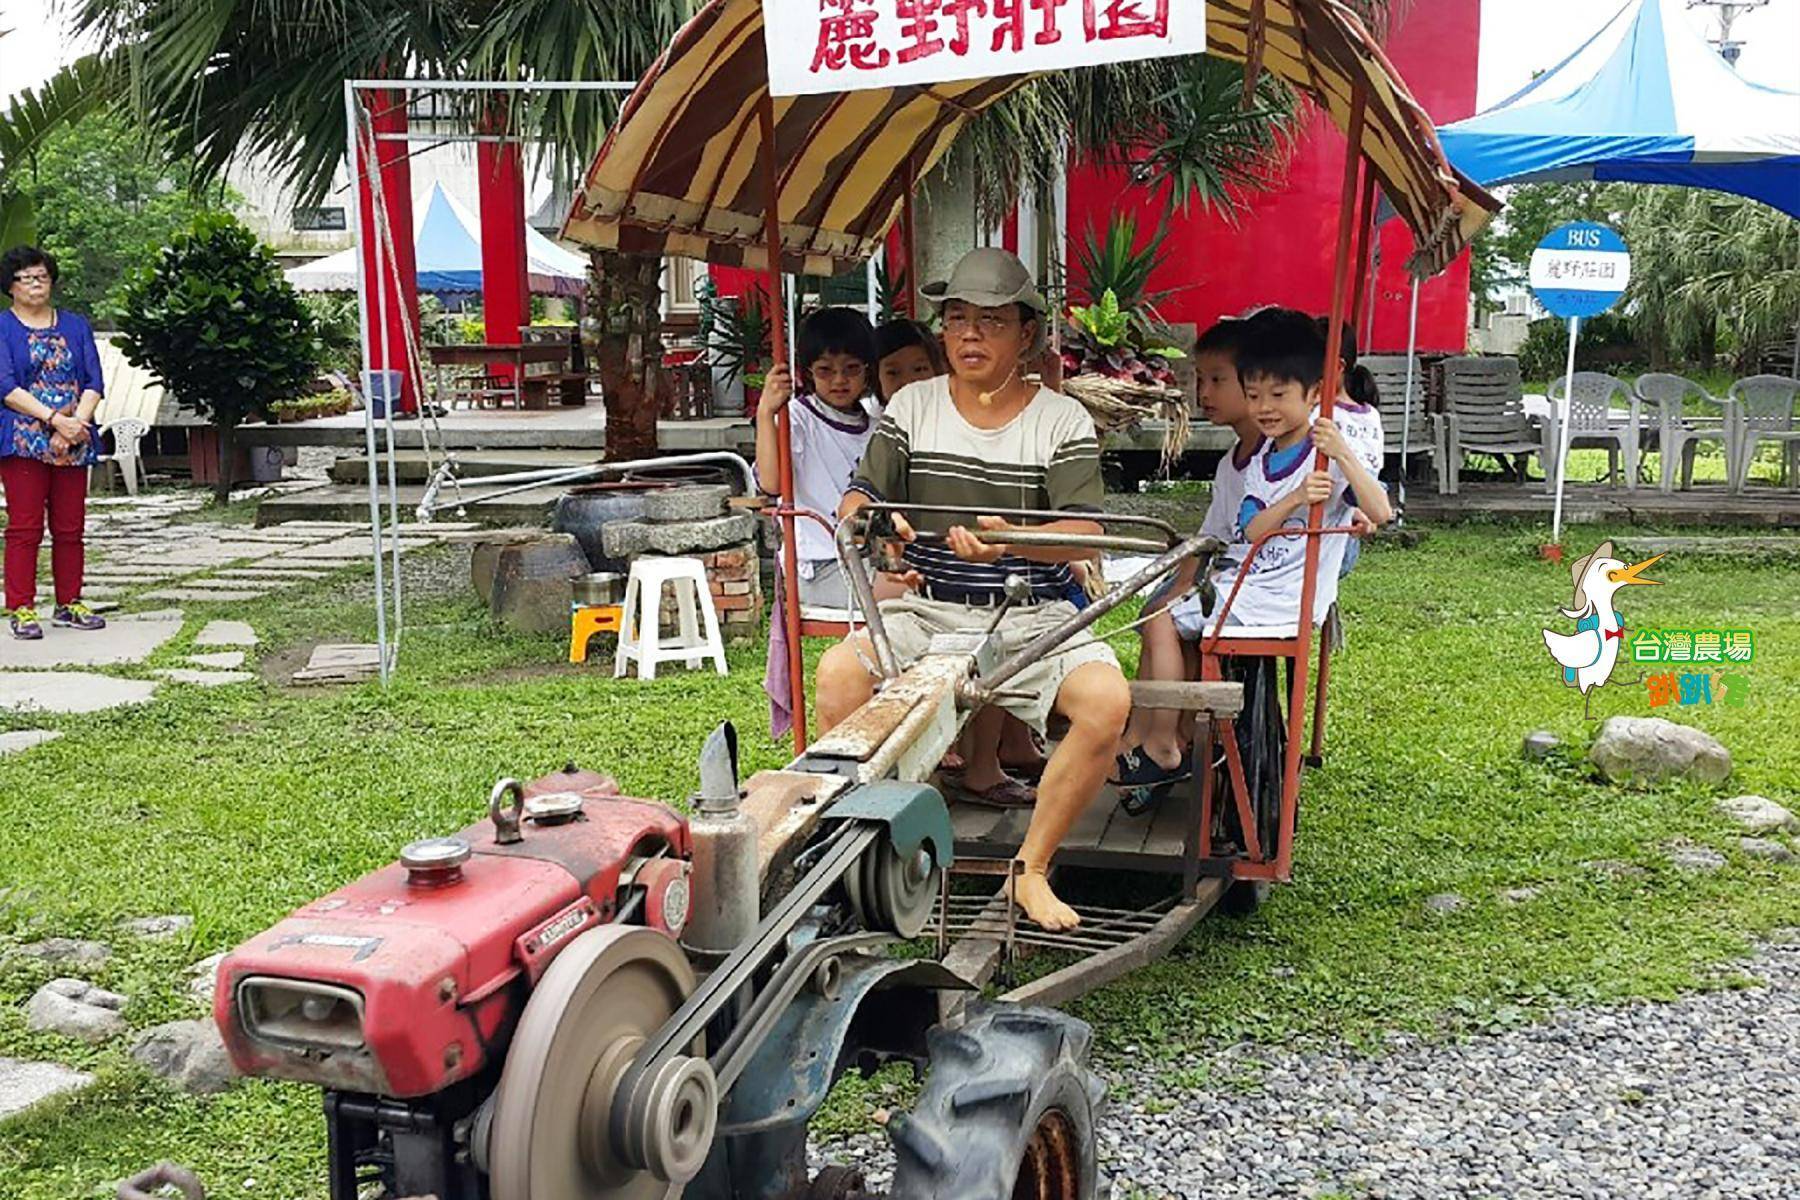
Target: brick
727	559
728	603
737	587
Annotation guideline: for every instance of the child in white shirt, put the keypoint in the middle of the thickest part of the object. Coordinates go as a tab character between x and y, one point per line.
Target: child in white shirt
830	426
1281	359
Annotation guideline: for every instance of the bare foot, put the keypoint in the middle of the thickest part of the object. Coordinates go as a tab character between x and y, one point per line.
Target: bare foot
1035	899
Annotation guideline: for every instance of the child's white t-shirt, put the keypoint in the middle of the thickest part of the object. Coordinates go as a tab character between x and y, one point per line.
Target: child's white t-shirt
828	446
1271	591
1228	490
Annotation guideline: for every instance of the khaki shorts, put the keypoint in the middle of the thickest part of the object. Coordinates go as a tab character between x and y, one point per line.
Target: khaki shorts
911	621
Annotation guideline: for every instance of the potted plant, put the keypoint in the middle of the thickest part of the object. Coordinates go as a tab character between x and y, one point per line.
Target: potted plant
220	327
736	332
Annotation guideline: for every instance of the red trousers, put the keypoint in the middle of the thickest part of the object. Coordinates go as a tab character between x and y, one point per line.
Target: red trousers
32	488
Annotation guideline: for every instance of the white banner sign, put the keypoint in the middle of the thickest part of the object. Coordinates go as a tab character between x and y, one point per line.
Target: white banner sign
845	45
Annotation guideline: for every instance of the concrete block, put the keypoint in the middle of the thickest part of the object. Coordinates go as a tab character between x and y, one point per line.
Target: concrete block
697	503
531	588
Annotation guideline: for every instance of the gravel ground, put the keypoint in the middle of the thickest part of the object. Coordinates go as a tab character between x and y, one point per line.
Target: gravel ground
1697	1098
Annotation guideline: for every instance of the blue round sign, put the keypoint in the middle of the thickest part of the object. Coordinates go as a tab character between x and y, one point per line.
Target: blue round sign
1580	269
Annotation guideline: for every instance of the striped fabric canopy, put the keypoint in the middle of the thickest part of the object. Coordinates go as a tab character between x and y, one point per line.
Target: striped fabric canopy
680	172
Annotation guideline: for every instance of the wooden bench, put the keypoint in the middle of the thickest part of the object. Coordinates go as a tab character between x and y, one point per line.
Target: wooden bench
1165	840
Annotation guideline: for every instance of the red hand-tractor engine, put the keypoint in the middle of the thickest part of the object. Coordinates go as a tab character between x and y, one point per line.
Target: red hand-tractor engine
397	993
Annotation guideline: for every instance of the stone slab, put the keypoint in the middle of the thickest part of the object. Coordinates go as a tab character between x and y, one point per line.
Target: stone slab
203	678
628	539
69	691
124	640
701	502
263	574
201	594
225	660
227	633
23	1084
24	739
340	664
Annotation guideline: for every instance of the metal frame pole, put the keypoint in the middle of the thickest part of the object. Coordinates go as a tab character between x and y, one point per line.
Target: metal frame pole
358	165
790	561
1343	282
1412	350
1564	435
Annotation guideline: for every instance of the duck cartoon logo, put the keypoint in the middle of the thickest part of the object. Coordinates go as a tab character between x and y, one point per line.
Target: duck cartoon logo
1588	655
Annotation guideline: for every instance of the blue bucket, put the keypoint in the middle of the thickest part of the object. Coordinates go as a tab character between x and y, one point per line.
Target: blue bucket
382	388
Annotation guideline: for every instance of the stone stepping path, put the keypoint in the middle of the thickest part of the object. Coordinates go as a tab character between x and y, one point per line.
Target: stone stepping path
69	691
228	660
200	594
124	640
23	1084
227	633
202	678
24	739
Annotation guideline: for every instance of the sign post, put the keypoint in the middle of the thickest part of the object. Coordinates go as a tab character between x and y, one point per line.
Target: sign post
1579	270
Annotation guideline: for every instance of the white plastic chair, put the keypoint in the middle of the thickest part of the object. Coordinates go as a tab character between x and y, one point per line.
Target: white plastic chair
126	432
1594	422
640	640
1765	409
1678	435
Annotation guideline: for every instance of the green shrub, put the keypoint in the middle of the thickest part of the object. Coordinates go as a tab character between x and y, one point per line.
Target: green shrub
220	327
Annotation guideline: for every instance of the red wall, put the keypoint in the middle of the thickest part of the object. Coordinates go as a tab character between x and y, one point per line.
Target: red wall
1280	250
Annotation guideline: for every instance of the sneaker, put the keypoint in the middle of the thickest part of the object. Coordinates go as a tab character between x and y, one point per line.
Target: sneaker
76	615
25	625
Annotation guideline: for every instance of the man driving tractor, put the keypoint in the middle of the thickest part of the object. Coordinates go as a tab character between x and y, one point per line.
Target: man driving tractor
984	438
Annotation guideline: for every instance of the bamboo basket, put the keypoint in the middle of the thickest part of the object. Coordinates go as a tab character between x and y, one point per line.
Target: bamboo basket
1117	404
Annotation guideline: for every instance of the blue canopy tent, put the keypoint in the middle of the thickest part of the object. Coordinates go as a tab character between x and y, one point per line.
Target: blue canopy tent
1645	100
447	245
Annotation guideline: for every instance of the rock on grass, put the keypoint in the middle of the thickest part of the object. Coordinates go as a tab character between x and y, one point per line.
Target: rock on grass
1633	749
68	952
76	1009
188	1055
1759	815
1765	849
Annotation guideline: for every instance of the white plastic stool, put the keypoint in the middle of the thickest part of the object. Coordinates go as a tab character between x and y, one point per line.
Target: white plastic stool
640	639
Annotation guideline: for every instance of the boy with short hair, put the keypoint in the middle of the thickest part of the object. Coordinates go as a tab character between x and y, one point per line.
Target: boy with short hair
1153	745
831	422
1281	363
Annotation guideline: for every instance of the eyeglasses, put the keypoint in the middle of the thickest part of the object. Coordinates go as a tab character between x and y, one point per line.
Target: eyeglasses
36	277
987	324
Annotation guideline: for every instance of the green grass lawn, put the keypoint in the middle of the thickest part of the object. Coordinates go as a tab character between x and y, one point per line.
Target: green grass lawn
238	804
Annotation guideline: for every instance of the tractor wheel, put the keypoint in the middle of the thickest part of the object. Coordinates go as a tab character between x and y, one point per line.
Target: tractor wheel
1007	1112
1244	897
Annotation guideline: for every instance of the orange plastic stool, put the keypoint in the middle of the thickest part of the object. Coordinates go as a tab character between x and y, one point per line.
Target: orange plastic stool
587	620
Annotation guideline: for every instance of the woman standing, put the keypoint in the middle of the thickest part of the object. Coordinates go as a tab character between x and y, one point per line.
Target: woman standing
49	389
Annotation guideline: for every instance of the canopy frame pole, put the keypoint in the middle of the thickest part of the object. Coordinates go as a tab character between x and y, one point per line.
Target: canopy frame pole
1342	288
1364	276
1412	362
778	345
909	243
359	163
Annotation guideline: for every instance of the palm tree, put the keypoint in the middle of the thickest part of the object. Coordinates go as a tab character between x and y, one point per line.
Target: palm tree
264	77
30	118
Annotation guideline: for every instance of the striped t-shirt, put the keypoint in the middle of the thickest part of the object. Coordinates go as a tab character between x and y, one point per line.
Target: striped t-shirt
923	452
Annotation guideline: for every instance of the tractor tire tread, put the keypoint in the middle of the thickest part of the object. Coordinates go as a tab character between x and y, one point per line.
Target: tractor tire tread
988	1085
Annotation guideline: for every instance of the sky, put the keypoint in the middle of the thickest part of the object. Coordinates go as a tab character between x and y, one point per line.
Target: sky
1518	38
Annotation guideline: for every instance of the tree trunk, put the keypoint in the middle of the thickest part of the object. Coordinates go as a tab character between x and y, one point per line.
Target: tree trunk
623	330
227	464
1709	343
